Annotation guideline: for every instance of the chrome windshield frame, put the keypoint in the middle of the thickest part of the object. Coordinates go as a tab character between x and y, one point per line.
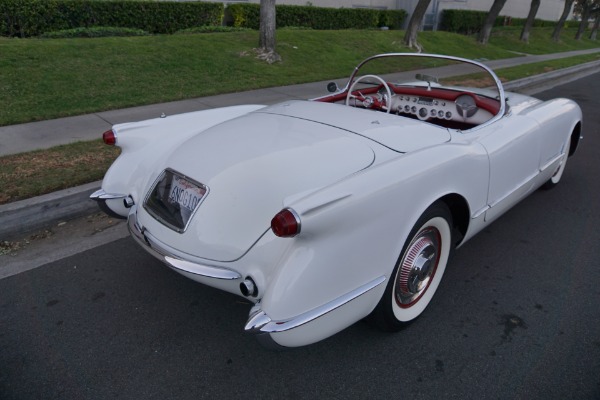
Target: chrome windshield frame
500	89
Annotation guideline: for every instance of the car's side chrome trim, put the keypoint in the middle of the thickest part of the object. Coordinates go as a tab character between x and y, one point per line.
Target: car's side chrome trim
552	161
259	322
100	194
525	182
168	256
480	212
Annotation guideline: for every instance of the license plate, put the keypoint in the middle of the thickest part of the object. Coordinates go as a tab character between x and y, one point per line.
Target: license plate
185	193
174	198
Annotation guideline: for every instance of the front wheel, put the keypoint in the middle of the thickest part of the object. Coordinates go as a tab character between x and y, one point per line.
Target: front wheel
419	270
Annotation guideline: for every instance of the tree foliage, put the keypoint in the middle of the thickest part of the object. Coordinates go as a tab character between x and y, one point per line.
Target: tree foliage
580	5
587	9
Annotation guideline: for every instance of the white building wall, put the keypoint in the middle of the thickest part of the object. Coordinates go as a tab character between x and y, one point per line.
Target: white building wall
550	10
379	4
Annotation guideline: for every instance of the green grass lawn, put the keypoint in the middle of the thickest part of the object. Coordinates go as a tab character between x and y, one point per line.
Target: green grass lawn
523	71
49	78
38	172
539	40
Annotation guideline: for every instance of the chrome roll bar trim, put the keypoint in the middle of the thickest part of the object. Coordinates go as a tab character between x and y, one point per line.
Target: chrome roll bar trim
168	256
259	322
498	83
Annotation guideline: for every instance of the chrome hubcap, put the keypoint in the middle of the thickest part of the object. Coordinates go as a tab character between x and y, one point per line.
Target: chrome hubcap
418	267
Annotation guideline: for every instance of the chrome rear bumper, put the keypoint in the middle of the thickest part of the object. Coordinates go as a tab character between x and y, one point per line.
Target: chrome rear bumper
172	257
306	328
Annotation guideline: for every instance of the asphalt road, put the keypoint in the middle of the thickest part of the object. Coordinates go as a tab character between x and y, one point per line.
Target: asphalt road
517	316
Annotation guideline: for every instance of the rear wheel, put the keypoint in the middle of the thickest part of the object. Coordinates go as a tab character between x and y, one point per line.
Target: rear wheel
418	271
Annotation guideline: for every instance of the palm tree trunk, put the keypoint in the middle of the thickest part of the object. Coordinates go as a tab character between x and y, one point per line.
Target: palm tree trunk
561	21
595	27
486	29
410	37
266	39
535	5
585	16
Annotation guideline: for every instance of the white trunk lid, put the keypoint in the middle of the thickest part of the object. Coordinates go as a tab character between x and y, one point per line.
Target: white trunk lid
250	164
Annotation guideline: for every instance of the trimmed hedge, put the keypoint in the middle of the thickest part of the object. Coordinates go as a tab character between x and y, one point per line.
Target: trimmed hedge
26	18
247	15
98	31
469	22
537	23
465	21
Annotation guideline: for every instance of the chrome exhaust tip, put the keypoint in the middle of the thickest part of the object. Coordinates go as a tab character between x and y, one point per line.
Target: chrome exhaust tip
248	288
128	202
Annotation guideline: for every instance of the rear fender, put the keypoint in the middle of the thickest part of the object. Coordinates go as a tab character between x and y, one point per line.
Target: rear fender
352	232
147	144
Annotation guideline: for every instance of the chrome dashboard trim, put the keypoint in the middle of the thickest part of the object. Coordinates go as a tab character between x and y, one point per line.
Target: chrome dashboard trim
259	322
167	255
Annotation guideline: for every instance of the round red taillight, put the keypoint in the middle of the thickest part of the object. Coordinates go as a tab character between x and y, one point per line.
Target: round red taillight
286	223
109	138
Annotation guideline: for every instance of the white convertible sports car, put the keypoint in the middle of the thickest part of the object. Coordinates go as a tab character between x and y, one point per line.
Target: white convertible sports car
324	212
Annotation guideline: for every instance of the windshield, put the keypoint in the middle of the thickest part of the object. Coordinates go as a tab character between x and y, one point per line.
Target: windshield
447	91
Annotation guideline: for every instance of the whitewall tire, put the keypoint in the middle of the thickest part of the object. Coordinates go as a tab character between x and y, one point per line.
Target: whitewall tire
419	270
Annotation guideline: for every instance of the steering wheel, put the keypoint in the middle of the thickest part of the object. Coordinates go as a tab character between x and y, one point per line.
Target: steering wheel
466	106
370	101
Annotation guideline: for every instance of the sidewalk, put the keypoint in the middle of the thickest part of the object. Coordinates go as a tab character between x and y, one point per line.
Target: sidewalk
23	217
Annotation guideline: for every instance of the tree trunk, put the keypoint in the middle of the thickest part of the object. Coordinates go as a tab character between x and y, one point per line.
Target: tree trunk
595	27
410	37
585	16
561	21
535	5
267	25
486	29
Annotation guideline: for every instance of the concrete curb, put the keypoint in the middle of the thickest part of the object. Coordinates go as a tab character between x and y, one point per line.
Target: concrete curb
539	83
23	217
26	216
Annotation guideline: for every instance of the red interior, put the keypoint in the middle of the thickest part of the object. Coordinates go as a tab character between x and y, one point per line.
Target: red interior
490	105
